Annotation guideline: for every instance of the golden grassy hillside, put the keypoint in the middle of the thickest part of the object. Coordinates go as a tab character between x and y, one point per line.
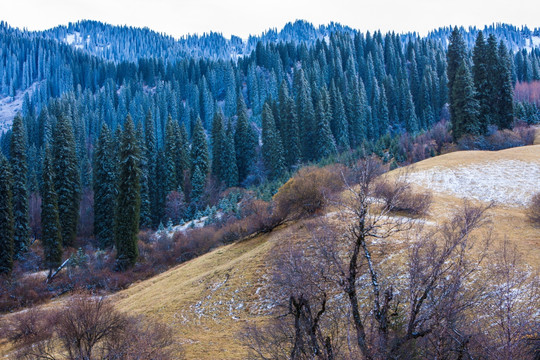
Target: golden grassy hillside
208	300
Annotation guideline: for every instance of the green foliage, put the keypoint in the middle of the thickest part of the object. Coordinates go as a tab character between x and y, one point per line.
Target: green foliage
229	169
197	184
129	200
6	217
272	149
51	236
218	139
66	179
199	150
105	189
245	140
19	170
465	118
325	144
171	152
289	126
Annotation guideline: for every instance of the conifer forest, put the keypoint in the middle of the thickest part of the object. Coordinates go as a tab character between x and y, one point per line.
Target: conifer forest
123	133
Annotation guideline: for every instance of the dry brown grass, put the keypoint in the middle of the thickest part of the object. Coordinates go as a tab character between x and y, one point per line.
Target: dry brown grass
201	298
537	136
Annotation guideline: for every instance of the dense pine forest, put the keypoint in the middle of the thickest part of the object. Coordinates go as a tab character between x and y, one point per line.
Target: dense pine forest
123	129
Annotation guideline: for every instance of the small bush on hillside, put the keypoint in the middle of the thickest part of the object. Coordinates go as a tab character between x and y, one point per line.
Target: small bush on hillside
87	327
307	192
520	135
533	212
398	196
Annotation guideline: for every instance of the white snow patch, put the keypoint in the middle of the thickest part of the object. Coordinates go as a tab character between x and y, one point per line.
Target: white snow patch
74	38
70	38
535	41
9	106
506	182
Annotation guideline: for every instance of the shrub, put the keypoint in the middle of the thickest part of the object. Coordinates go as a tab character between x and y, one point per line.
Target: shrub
307	192
533	212
87	327
398	196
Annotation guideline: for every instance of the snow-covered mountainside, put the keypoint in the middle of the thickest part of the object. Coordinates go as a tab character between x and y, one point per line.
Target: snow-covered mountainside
10	105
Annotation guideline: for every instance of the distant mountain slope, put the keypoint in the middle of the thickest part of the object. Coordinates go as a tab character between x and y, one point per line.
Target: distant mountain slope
127	43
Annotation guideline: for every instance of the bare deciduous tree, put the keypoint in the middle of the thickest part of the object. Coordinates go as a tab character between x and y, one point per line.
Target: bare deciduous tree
404	287
87	328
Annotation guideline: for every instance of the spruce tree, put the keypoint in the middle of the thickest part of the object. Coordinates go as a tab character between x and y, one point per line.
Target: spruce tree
272	149
170	154
129	200
151	158
306	115
324	142
67	179
245	141
145	220
339	123
229	170
105	190
357	117
19	170
218	135
455	56
51	236
198	181
6	217
199	150
505	91
465	119
289	133
482	82
182	151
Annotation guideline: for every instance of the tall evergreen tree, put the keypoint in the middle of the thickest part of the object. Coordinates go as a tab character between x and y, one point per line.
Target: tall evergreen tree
245	140
182	153
51	237
306	114
145	220
19	170
505	90
339	123
129	200
481	81
218	135
289	132
465	120
67	179
198	181
6	217
455	56
105	190
229	170
170	154
272	149
199	150
357	117
151	158
324	142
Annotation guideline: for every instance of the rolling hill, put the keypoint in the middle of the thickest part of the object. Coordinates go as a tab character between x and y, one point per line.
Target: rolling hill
208	300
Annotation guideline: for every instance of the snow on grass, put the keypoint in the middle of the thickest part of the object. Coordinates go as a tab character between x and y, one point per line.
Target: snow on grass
506	182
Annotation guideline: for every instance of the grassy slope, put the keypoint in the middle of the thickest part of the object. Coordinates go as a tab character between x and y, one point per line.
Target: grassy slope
208	300
174	295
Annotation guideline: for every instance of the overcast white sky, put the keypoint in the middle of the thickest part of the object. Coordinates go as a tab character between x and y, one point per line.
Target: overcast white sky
244	17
